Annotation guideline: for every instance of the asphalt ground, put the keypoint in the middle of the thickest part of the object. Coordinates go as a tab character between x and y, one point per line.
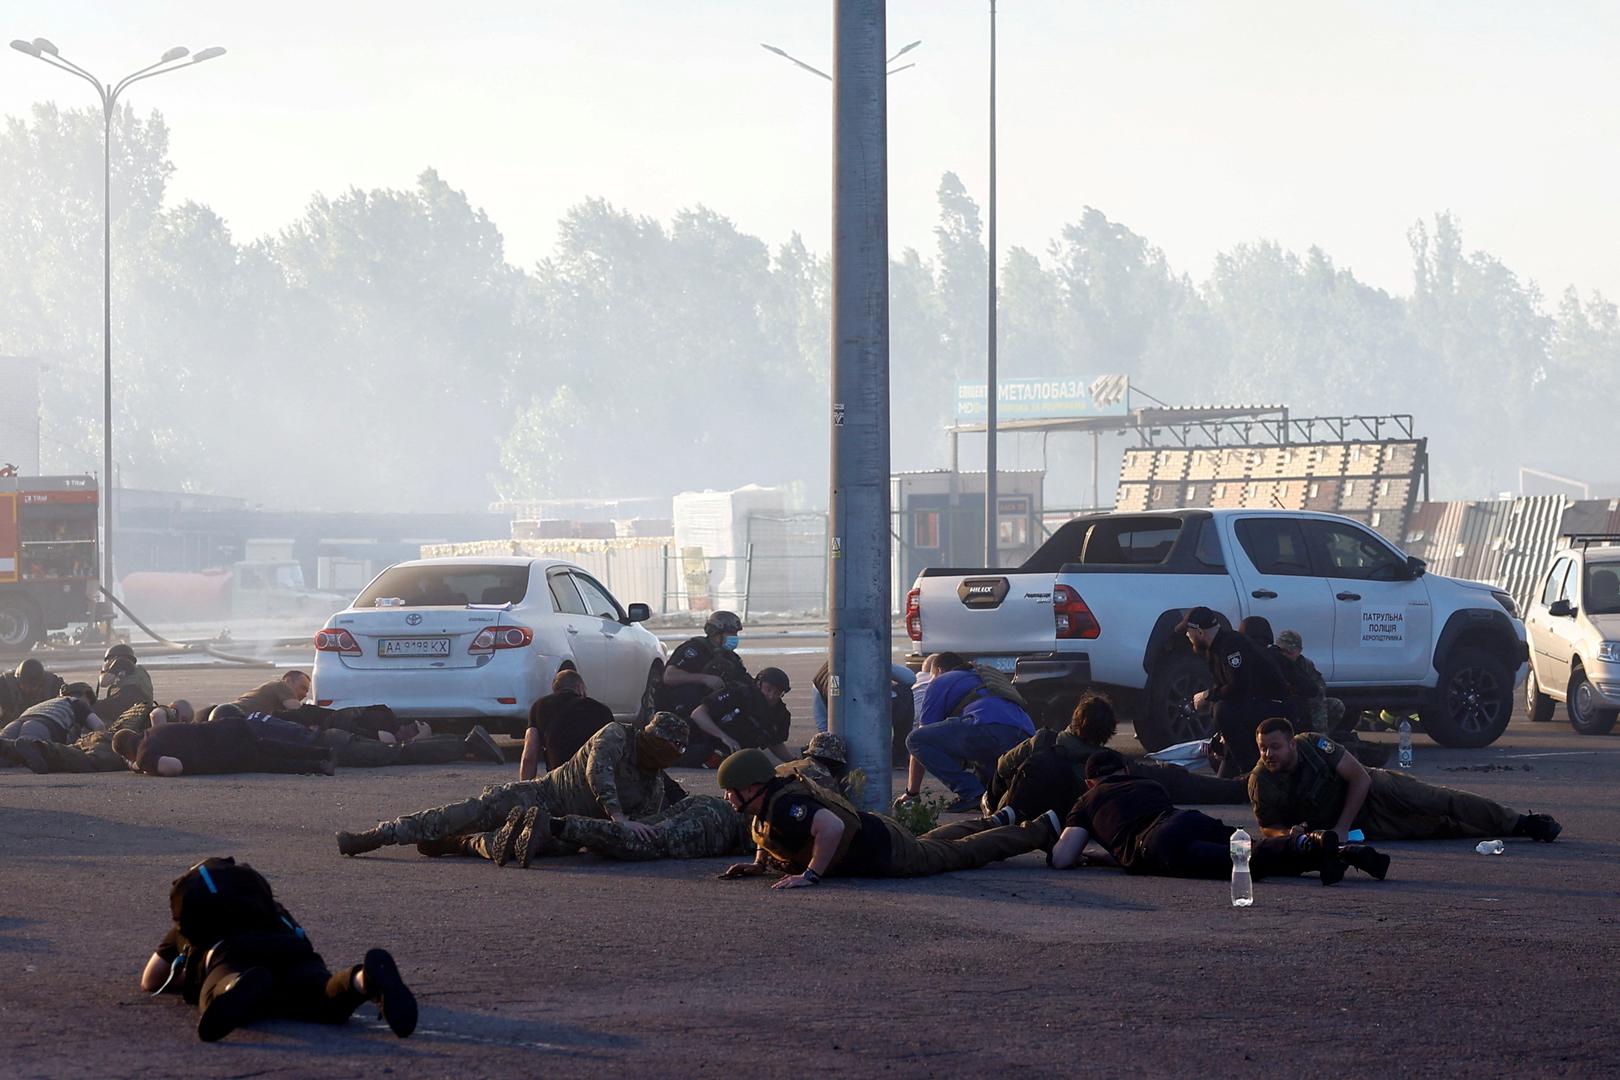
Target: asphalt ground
1458	965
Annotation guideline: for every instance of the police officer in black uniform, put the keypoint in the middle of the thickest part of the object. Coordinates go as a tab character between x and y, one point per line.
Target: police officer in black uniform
702	665
739	716
1249	687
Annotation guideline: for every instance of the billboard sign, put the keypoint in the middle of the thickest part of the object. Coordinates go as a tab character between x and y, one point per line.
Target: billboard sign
1046	399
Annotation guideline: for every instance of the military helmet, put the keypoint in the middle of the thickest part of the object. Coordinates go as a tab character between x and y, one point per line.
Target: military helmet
120	649
77	689
776	677
668	727
30	671
828	747
745	768
722	622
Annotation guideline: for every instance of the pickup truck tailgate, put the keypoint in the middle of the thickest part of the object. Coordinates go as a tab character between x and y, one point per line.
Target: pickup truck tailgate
989	614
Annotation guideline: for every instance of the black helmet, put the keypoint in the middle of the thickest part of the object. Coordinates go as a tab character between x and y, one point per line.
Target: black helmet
120	649
30	672
722	622
776	677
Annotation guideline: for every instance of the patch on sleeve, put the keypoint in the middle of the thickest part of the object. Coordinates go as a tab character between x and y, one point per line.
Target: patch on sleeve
798	811
1236	660
1324	746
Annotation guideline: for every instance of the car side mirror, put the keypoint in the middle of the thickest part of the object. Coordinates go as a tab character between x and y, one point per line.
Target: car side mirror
638	613
1416	566
1560	609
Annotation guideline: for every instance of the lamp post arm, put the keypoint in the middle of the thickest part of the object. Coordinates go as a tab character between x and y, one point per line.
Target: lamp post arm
146	73
73	69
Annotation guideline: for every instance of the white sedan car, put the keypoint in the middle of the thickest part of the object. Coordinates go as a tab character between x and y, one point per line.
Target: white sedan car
482	637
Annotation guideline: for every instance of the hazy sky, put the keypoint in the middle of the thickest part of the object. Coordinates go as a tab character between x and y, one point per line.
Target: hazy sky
1199	124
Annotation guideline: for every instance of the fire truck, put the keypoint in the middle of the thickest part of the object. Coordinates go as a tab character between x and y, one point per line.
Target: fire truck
48	556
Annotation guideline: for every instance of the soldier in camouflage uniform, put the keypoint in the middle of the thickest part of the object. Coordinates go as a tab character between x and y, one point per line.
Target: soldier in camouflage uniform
1322	712
92	752
697	827
825	762
618	774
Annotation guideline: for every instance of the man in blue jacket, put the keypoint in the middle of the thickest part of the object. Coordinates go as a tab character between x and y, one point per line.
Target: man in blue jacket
964	726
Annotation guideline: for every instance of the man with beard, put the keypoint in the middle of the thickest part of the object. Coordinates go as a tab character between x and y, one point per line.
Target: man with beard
618	774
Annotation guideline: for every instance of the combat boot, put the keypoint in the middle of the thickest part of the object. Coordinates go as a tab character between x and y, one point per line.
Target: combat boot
1322	850
8	752
370	840
241	998
449	845
503	839
480	744
1366	858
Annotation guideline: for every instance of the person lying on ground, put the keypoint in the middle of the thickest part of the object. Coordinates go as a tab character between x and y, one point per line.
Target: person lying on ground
1047	771
618	774
1135	821
27	685
1308	781
239	956
277	697
60	720
228	745
90	752
814	833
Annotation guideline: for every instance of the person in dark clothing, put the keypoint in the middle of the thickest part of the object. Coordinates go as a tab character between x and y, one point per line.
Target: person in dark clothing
1047	771
239	956
701	665
229	745
811	833
741	716
560	723
25	687
60	719
1249	687
1139	826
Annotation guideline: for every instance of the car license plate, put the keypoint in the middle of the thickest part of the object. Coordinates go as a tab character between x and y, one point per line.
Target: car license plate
1000	663
414	646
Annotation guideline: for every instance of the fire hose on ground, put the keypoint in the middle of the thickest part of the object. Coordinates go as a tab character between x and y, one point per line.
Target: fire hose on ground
181	647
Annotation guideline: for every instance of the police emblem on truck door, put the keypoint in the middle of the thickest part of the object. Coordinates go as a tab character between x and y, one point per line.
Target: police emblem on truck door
986	592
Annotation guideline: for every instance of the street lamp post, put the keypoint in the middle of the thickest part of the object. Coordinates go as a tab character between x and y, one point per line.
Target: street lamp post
991	517
42	49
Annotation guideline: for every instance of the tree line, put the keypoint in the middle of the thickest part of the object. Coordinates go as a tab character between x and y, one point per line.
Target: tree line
380	352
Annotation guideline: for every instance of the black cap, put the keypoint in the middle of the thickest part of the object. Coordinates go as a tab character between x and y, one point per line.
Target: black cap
776	677
1199	618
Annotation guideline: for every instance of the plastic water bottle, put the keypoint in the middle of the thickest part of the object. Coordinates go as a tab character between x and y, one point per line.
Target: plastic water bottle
1404	754
1242	883
1490	847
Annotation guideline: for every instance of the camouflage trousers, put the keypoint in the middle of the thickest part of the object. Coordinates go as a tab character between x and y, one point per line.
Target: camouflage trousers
1327	714
86	756
481	814
697	827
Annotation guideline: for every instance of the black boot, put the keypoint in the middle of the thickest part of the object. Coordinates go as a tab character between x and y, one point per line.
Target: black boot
239	999
1323	850
1536	826
1366	858
395	1001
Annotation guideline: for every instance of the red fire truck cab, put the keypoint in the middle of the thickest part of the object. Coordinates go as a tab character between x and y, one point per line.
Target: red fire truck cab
48	556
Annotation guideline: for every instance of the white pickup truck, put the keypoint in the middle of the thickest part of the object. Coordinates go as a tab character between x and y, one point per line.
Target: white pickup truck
1097	605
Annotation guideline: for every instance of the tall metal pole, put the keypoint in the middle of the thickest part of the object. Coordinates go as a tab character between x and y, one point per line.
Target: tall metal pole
106	349
990	553
858	525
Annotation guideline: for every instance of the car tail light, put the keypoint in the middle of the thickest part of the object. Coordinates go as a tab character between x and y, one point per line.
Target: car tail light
491	638
339	641
1070	616
914	614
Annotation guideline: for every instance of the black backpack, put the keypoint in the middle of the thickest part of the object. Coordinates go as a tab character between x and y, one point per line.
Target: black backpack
220	897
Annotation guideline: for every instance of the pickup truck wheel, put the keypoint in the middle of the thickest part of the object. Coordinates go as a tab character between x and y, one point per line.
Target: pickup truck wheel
1537	705
1170	717
1473	701
1585	715
649	694
21	626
